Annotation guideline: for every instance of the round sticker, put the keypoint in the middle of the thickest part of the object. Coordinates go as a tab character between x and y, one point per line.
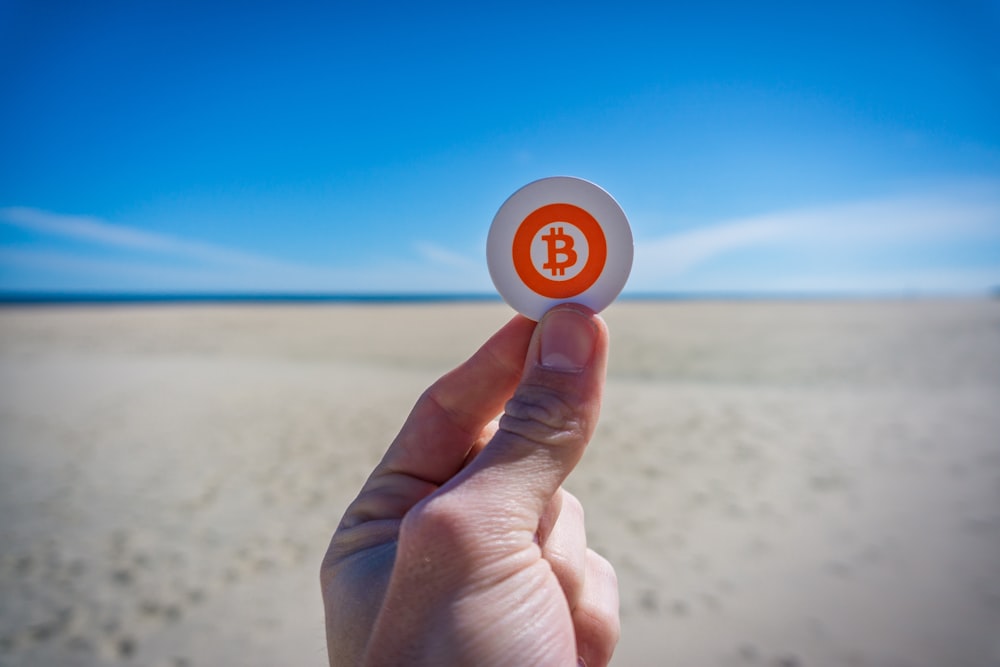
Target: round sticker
559	240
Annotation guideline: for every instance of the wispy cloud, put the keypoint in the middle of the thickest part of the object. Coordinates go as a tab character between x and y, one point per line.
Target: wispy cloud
971	215
56	270
157	261
99	232
442	256
676	253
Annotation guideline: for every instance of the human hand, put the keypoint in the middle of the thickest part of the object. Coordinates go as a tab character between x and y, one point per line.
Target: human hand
462	548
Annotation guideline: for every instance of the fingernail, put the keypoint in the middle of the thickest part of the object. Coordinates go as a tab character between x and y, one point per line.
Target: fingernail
568	338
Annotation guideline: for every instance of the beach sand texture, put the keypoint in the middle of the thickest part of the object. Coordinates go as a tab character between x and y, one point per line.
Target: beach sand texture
777	483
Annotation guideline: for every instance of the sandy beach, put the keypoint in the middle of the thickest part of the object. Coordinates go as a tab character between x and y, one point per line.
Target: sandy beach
784	484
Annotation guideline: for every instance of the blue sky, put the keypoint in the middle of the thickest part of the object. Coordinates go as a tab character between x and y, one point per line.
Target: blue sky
365	147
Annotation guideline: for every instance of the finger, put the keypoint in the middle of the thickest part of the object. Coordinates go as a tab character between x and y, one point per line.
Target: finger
595	618
443	426
565	545
449	416
548	421
485	435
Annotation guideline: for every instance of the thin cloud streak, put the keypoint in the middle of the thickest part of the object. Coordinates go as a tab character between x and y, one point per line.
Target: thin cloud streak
444	257
884	224
160	262
26	269
47	270
99	232
676	253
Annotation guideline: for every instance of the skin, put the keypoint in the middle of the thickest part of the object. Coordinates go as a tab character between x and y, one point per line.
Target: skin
462	548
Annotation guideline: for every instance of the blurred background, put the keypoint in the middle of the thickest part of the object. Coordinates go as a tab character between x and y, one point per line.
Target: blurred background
778	482
848	147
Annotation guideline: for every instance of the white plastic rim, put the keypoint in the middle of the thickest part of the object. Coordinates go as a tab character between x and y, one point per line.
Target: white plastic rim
559	240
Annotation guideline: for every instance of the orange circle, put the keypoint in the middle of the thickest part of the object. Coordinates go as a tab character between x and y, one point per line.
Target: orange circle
597	250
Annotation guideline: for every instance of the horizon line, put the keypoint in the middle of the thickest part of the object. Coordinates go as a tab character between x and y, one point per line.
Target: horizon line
56	298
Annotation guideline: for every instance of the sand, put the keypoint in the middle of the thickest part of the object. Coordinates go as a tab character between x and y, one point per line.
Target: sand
780	484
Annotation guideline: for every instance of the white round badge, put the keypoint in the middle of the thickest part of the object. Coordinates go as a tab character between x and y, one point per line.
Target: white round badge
559	240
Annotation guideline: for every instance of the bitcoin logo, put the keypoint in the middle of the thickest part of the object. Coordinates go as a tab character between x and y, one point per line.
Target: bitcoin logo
571	256
559	244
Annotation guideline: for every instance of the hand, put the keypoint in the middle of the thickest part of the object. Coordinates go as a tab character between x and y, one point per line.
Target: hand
462	548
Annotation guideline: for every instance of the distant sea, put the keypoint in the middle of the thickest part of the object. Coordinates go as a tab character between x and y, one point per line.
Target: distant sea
126	298
167	298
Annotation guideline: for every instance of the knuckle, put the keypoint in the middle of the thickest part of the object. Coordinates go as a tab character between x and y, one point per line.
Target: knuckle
543	416
430	520
441	524
439	536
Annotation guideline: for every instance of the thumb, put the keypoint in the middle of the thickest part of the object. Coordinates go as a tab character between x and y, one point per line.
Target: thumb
547	423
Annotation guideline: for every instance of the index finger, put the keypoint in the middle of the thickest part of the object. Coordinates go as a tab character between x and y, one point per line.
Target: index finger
449	416
444	425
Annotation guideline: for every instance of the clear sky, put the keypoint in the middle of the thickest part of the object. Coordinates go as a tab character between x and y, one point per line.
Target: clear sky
365	146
